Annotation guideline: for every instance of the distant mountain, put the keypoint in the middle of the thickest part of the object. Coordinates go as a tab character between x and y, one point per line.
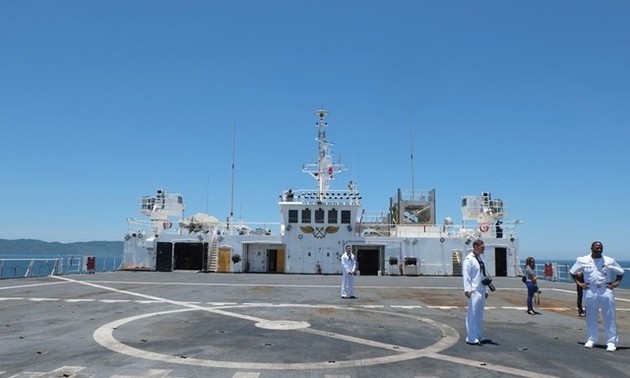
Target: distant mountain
39	247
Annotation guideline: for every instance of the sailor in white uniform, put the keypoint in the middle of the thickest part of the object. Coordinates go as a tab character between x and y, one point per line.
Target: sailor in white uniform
348	264
598	288
473	272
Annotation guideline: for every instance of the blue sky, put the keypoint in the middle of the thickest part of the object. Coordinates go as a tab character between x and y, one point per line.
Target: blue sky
102	102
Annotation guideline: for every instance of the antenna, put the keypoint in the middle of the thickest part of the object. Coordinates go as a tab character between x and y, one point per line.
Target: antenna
324	170
413	185
231	217
207	191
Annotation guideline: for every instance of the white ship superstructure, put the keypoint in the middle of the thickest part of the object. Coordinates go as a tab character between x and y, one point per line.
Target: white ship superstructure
315	225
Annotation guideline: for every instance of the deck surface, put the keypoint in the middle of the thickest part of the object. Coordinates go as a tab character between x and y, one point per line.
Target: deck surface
189	324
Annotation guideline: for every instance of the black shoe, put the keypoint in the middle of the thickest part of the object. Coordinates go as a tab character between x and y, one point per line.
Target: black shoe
536	313
475	343
353	297
344	297
531	312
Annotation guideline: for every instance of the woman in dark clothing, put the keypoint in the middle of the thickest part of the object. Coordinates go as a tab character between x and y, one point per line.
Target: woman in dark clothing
532	284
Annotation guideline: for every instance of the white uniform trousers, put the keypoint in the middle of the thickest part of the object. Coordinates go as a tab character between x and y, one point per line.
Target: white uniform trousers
594	299
474	317
347	285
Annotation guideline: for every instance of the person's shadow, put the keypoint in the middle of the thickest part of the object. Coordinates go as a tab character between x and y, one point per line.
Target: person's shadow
488	341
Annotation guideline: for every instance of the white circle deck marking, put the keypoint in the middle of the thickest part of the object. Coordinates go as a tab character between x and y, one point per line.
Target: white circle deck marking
282	325
449	337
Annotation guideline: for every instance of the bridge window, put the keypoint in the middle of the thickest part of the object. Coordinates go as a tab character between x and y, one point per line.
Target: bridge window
293	216
306	216
333	217
319	216
345	216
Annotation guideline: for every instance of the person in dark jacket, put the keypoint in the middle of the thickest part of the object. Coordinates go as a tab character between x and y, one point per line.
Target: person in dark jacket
531	280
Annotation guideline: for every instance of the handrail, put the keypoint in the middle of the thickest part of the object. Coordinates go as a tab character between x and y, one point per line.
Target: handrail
54	266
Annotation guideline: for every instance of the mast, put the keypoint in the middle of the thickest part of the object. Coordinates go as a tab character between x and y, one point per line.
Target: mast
413	184
325	169
231	217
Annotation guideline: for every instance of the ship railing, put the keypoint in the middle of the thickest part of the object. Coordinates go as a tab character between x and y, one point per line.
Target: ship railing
504	229
552	271
416	230
14	268
138	226
416	195
559	271
474	207
250	228
331	197
146	227
55	266
374	223
377	224
423	230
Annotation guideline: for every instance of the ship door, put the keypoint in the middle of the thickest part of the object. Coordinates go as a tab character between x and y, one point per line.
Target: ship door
500	262
275	260
368	261
188	256
205	258
225	254
272	260
457	262
164	258
280	260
